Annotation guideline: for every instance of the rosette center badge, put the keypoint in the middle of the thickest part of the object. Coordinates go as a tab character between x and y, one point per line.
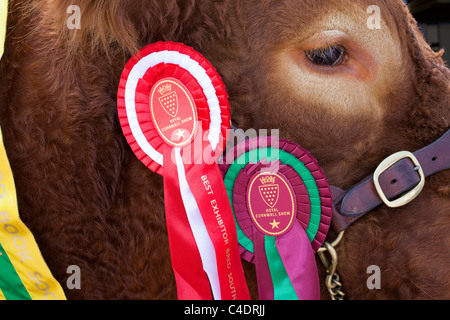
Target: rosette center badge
271	203
171	97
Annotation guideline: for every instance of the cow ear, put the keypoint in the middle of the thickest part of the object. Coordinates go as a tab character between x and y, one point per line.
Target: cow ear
132	24
89	25
430	77
105	22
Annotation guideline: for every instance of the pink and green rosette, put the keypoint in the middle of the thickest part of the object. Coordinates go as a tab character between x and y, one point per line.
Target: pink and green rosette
282	206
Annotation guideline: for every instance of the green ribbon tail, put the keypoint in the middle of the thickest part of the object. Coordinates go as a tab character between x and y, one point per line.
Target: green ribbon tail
282	286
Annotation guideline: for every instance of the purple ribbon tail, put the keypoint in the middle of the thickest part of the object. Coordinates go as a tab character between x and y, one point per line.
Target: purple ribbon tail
265	286
299	261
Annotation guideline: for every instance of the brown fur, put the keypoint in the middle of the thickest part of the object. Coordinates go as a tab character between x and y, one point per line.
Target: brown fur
91	203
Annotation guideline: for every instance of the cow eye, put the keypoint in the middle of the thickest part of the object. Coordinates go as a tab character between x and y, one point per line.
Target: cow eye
327	57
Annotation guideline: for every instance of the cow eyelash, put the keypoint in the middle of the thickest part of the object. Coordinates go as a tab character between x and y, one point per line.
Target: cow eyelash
328	57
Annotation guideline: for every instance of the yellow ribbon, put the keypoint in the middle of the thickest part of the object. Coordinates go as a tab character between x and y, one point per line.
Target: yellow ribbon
3	15
24	275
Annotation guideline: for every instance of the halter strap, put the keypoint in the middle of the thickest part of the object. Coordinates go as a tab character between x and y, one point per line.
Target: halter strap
402	175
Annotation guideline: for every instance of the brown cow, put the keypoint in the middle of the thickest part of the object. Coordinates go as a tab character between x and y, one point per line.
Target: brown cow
350	94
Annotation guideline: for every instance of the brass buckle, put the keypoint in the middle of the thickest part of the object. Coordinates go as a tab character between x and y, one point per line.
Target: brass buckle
389	162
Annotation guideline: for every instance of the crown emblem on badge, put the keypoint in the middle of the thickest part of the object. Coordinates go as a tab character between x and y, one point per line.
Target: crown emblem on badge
269	191
267	179
165	89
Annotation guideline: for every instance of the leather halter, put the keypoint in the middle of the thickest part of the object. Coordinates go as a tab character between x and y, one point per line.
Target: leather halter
400	175
403	174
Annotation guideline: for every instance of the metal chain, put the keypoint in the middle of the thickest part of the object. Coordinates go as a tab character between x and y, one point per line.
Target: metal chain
333	280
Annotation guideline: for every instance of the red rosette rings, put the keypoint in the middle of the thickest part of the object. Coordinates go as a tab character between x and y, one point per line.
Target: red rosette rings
170	60
174	112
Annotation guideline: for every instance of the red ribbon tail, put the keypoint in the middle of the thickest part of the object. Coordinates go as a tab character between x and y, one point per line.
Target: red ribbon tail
206	183
192	281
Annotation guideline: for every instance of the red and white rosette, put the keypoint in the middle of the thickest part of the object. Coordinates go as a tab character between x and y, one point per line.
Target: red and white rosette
175	115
